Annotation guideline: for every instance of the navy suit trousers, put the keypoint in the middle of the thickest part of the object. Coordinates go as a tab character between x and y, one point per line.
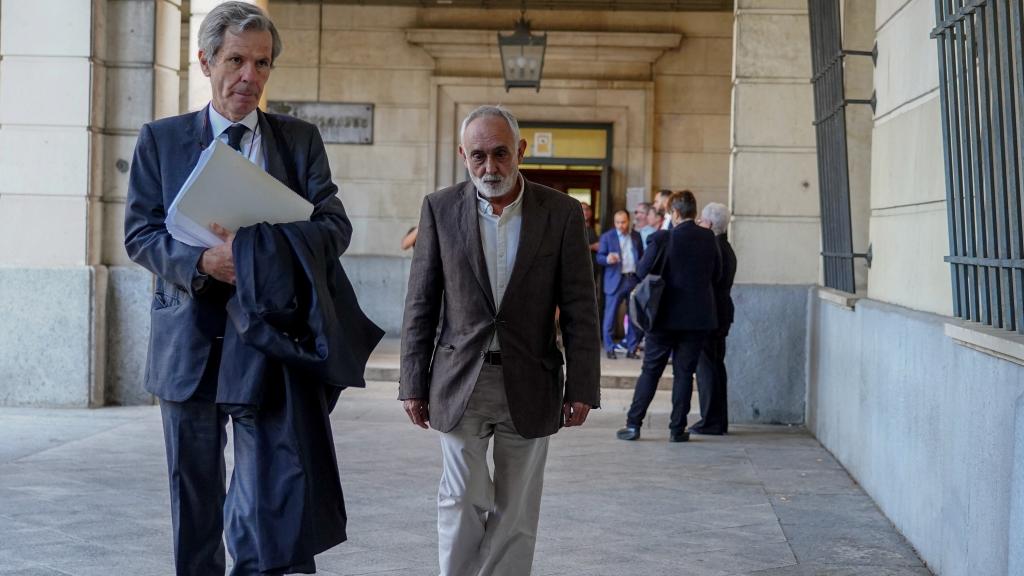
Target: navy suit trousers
611	308
204	516
684	347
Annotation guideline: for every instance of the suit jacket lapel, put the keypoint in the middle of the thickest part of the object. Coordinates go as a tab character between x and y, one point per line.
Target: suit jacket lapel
271	154
200	134
470	229
531	235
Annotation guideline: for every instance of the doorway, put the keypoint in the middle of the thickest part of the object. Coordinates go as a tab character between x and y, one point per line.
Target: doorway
574	158
583	185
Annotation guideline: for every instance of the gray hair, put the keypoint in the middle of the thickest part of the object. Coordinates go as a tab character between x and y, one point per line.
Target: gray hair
718	215
235	17
494	111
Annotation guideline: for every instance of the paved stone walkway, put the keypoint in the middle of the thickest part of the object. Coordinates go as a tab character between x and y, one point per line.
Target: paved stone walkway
83	493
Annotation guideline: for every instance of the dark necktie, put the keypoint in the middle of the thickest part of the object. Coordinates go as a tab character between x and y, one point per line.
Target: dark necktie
235	134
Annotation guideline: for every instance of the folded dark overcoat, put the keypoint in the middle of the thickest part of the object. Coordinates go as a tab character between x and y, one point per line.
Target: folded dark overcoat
295	339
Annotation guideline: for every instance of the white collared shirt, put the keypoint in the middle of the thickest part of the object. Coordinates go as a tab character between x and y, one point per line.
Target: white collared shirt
626	252
499	237
252	142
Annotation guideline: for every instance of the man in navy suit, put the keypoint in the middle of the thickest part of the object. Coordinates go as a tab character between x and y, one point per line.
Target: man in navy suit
238	44
686	314
619	252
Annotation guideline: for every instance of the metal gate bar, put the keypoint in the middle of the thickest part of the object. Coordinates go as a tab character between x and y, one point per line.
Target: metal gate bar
827	56
981	86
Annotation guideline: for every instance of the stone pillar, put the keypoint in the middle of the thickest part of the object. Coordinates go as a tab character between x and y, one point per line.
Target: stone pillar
142	61
52	280
198	85
774	183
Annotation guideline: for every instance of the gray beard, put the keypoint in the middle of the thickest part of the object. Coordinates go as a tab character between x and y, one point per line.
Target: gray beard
495	189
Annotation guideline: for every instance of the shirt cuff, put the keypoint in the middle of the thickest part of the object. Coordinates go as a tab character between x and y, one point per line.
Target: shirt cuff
199	281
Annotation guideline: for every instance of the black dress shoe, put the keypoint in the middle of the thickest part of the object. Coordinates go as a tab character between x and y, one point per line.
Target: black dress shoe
632	355
679	437
611	355
628	433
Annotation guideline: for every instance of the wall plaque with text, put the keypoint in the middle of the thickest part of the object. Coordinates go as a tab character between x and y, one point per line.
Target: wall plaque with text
338	123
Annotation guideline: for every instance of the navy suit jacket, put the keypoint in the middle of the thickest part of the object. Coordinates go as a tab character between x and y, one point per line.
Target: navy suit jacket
188	315
693	267
609	244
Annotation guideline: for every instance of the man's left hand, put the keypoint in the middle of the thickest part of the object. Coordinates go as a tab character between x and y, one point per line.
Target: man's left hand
575	413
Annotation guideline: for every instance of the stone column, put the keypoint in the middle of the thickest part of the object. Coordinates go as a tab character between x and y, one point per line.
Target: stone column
142	84
774	181
52	280
198	85
773	193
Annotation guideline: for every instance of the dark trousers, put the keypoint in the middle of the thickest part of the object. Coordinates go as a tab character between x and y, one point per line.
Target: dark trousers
711	387
195	434
684	347
611	308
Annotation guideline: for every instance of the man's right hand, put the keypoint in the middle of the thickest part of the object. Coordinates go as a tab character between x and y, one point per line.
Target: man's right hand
219	261
417	411
613	258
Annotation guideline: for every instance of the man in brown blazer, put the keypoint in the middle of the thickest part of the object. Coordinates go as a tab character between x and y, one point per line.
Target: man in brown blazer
494	258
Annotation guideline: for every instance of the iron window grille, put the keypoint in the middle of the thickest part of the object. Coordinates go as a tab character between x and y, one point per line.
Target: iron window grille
981	88
827	58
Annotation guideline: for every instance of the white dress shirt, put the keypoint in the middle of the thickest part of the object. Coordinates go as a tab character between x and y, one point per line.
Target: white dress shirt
499	236
252	142
626	252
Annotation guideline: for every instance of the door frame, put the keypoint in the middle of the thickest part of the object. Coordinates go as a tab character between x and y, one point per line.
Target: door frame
605	163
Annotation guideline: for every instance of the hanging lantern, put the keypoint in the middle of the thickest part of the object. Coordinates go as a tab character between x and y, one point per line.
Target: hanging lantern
522	56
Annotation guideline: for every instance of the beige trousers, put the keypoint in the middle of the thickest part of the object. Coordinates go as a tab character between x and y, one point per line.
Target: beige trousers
488	526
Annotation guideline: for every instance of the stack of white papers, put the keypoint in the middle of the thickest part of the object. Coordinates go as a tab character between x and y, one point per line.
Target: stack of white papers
227	189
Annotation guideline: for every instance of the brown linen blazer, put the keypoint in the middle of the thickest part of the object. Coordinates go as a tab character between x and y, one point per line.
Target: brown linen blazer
552	270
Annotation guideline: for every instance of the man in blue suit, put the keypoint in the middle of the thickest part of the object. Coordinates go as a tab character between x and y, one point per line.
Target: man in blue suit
238	45
619	252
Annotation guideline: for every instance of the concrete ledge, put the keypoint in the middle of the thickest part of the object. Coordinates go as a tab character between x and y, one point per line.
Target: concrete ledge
380	283
767	354
128	304
988	340
49	318
839	298
929	427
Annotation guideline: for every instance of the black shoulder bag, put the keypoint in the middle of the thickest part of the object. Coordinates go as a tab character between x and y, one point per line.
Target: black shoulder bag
645	298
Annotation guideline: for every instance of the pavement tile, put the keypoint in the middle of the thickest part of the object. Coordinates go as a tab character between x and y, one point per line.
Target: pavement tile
84	492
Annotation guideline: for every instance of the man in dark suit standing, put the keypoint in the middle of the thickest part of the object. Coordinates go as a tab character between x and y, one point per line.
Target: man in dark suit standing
619	252
497	255
712	377
685	316
238	45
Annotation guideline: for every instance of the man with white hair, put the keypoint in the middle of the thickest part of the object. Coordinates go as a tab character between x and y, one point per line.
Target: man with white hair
495	256
711	373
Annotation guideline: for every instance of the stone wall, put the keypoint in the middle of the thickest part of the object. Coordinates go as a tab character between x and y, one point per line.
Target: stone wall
670	115
926	426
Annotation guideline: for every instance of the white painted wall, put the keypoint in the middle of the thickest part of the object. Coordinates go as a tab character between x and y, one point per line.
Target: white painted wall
908	209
